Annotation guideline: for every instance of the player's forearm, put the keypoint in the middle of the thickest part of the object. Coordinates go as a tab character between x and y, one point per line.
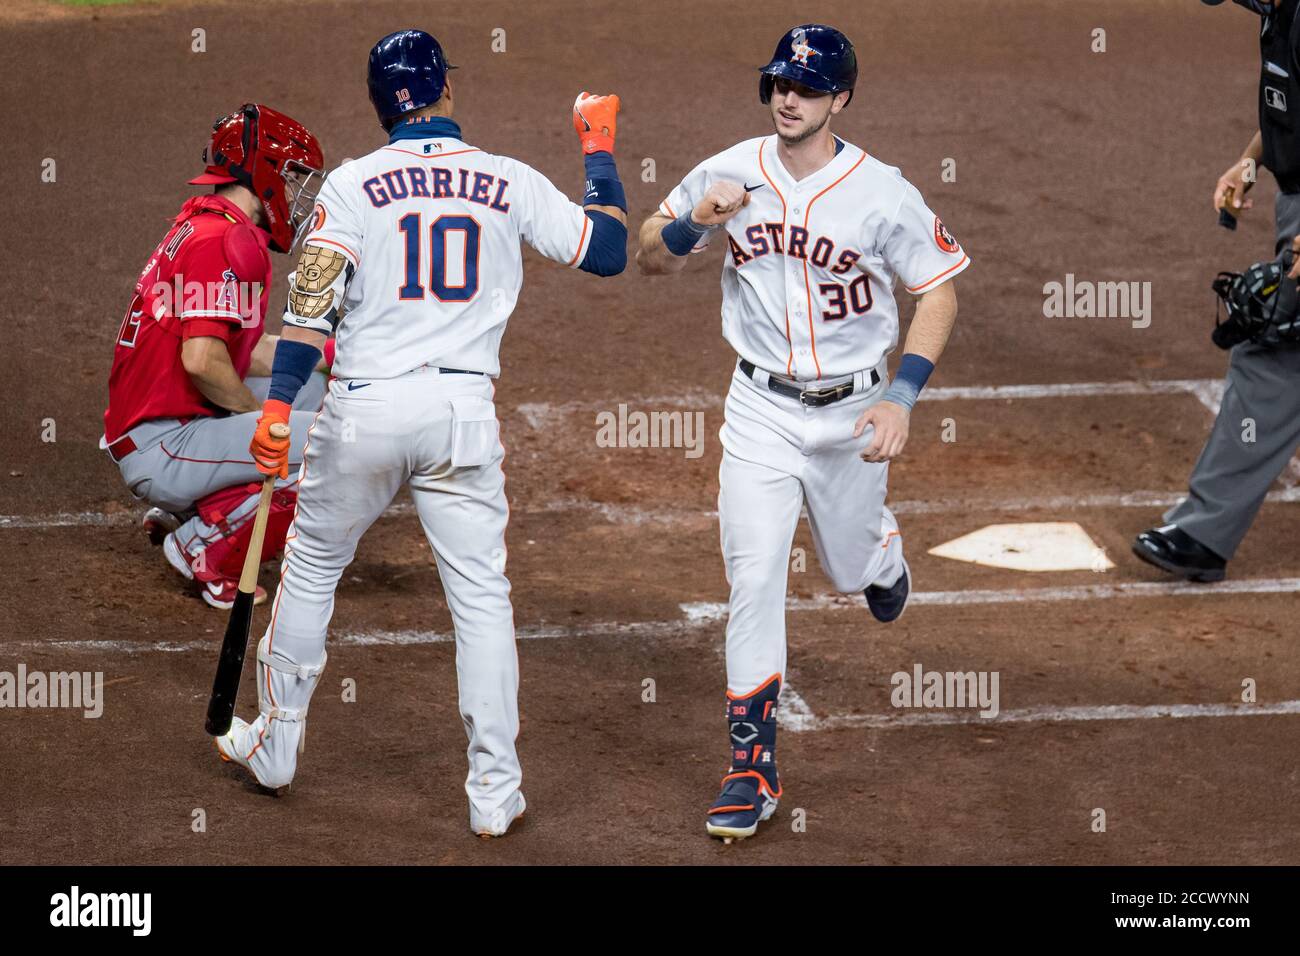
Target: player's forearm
653	256
614	211
297	355
936	313
207	362
264	356
1255	148
306	336
259	365
931	325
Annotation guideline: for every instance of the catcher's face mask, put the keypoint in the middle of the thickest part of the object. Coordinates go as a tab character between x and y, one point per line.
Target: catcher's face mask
1262	304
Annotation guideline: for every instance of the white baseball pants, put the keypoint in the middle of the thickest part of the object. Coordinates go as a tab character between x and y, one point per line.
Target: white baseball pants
439	434
780	456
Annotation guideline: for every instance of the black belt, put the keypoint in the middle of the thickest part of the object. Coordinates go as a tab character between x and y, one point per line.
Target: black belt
459	371
811	397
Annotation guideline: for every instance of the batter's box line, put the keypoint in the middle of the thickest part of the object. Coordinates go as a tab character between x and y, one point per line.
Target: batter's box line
623	514
700	612
1208	391
802	720
703	614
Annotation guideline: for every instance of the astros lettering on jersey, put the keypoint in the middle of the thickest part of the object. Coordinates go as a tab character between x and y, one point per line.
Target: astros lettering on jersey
807	287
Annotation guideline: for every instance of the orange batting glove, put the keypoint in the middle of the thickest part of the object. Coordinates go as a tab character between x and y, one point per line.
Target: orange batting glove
596	120
271	451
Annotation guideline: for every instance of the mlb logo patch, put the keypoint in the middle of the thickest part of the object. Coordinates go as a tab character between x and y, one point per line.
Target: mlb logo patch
1275	98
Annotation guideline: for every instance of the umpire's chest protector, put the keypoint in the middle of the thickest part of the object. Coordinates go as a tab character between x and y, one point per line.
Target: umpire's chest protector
1279	94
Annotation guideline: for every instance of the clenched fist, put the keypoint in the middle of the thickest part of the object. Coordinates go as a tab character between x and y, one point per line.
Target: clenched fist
890	423
720	203
1236	182
270	444
595	117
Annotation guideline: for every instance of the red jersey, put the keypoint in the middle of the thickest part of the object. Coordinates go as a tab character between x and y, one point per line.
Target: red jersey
210	276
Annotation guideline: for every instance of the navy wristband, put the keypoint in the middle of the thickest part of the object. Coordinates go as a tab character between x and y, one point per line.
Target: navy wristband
603	187
293	364
913	372
681	235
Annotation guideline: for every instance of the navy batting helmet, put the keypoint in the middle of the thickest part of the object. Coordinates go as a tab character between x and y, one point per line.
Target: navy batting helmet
816	56
407	72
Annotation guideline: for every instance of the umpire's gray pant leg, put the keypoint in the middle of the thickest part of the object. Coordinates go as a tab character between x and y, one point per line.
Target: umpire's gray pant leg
1261	402
1233	474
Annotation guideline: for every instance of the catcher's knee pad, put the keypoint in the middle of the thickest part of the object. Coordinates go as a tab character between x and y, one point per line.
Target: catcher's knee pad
284	692
752	721
223	557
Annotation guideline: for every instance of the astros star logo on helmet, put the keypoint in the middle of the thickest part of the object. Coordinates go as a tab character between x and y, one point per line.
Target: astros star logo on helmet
801	48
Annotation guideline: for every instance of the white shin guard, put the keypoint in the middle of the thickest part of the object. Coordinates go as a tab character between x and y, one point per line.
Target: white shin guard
270	746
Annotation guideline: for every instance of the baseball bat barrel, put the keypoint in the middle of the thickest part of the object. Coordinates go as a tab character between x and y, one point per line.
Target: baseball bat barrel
234	646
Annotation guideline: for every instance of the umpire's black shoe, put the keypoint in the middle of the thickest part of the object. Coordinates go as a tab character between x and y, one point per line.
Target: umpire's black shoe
888	604
1177	552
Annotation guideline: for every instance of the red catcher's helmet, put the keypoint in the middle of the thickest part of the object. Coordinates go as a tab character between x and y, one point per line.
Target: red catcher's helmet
275	157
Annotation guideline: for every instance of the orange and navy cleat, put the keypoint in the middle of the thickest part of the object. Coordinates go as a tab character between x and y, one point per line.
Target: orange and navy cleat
751	790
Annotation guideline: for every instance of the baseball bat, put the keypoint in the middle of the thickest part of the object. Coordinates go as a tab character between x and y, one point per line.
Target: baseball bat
230	665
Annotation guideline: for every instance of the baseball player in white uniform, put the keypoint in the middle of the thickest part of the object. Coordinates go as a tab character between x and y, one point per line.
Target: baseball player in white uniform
414	259
816	234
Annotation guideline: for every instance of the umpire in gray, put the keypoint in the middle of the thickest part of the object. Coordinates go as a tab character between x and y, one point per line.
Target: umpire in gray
1232	476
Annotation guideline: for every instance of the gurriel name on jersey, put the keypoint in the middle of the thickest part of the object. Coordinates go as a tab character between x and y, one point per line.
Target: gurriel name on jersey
419	182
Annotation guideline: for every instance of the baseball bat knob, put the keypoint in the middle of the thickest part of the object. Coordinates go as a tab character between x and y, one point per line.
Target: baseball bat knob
279	430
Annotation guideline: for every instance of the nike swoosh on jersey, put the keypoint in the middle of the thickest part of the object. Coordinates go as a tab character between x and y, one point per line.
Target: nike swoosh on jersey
353	386
750	189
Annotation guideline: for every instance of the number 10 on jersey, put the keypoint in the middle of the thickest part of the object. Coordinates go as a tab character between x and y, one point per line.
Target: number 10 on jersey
453	258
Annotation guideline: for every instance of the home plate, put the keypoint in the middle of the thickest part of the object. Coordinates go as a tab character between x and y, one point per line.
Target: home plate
1040	546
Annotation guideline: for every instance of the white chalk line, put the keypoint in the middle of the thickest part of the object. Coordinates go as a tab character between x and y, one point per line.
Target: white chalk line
624	514
540	415
806	721
701	614
706	611
407	638
795	714
1209	392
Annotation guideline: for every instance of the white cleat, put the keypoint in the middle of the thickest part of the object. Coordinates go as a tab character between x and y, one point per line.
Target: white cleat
498	824
176	557
238	745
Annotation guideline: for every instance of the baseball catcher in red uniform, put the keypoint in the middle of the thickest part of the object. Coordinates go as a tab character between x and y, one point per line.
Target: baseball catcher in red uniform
182	394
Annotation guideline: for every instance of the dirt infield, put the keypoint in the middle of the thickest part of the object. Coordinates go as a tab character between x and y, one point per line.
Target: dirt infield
1099	165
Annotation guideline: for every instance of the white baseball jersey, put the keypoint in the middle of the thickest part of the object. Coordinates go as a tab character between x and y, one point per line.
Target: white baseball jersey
432	227
807	286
